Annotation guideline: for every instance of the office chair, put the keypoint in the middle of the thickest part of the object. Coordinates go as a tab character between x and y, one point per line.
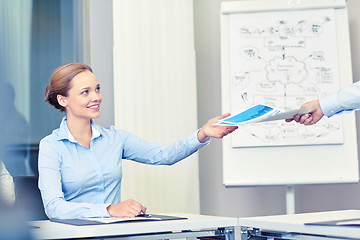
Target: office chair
28	198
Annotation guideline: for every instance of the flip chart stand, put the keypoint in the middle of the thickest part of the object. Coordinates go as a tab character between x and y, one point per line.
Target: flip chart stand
290	199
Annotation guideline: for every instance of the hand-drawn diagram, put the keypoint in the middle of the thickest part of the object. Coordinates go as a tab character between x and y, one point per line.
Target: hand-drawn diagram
284	62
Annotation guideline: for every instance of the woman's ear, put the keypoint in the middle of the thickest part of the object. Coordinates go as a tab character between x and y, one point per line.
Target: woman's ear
61	100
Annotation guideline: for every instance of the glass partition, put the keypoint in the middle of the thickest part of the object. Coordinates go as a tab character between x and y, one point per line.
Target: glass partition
36	36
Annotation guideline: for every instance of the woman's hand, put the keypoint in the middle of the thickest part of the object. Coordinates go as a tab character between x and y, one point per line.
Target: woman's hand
128	208
211	130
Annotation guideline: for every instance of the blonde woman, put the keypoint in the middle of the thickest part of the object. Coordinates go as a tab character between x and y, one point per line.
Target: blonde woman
80	163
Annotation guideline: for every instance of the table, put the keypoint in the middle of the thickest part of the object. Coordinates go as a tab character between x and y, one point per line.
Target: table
292	226
191	228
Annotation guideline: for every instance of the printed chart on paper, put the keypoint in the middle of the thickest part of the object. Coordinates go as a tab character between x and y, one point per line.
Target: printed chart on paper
283	59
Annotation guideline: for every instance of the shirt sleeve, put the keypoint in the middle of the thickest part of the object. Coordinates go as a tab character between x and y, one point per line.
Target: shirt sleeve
346	100
152	153
6	185
56	207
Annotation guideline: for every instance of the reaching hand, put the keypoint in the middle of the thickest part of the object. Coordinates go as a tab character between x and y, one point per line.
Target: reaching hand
128	208
211	130
310	118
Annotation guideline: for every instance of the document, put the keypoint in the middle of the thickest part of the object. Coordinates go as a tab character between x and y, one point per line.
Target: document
259	113
123	219
109	220
341	223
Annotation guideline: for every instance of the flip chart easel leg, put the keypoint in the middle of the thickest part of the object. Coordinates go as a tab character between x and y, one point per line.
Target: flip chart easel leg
290	199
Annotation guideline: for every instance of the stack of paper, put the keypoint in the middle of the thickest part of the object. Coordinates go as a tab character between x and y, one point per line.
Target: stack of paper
260	113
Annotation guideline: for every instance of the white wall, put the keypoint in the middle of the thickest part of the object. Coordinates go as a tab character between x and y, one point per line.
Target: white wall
155	97
101	54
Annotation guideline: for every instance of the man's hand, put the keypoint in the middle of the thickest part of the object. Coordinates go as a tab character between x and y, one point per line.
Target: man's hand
310	118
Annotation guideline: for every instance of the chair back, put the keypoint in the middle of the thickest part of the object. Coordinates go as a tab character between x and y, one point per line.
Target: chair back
28	197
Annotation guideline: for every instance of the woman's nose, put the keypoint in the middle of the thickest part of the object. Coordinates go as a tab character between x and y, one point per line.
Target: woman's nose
96	96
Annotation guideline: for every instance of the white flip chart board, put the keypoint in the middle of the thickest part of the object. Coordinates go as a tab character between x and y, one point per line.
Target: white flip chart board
283	53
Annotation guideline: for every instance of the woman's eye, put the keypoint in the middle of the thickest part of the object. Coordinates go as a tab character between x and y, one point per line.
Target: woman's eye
98	89
85	92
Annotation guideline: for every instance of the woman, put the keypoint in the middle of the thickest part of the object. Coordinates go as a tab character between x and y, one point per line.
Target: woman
80	162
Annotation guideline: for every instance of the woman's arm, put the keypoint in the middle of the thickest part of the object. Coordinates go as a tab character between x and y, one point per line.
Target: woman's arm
152	153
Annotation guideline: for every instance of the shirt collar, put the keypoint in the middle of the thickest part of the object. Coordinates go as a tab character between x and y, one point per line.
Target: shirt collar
64	132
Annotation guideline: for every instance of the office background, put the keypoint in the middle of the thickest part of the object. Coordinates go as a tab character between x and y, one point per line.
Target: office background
83	31
261	200
215	199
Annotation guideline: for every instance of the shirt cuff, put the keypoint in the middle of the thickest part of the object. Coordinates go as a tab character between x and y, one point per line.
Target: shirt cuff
206	141
102	210
330	105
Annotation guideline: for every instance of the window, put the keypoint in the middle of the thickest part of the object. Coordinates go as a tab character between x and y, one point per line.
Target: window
37	36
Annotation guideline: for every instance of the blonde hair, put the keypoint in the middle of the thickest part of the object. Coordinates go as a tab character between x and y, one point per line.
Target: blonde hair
60	82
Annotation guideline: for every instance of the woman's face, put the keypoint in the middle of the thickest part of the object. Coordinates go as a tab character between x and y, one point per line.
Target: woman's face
84	97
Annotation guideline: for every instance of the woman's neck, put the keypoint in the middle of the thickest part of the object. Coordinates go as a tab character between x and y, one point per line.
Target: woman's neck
80	129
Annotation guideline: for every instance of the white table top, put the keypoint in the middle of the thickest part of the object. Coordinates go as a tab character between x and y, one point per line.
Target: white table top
52	230
295	223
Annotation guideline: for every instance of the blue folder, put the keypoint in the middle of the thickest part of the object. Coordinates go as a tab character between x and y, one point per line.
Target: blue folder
250	114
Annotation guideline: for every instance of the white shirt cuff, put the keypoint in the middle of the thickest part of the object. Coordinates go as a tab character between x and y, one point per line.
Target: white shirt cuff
329	105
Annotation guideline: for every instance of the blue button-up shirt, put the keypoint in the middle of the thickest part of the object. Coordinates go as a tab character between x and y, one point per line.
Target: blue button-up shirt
343	101
76	181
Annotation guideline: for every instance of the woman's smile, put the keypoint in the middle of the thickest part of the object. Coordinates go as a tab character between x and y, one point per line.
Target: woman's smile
95	107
